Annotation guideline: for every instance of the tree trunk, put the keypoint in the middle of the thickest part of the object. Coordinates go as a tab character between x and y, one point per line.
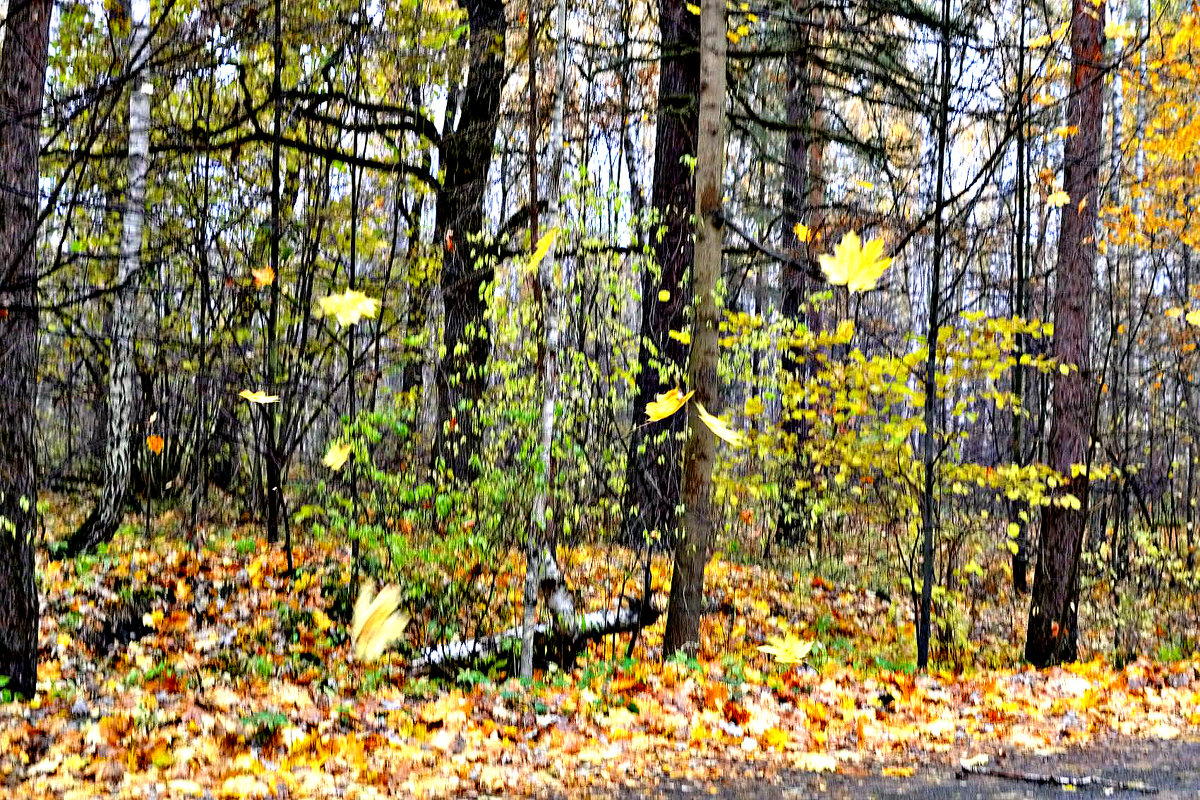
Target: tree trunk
467	155
692	549
1052	635
928	451
541	562
652	476
22	84
102	523
803	193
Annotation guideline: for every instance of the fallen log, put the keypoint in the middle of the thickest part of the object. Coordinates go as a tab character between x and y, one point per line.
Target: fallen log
560	644
1067	782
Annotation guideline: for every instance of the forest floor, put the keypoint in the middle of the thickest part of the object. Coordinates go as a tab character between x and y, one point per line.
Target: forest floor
166	672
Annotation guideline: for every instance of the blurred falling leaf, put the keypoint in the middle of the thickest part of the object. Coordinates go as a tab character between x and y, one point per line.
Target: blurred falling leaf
155	443
377	624
259	396
337	455
263	277
719	428
787	649
348	307
542	250
1058	199
802	231
666	404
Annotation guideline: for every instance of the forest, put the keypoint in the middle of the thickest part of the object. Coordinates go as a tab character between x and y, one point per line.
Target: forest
598	398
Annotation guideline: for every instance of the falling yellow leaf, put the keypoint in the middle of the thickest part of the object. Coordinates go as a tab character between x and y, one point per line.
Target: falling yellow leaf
802	231
683	337
899	772
1058	199
787	649
263	277
719	428
754	406
867	185
337	455
260	397
155	443
1192	317
1066	131
854	265
349	307
666	404
1174	312
664	296
377	622
541	251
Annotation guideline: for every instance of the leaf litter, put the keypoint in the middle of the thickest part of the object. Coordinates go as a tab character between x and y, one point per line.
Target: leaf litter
244	687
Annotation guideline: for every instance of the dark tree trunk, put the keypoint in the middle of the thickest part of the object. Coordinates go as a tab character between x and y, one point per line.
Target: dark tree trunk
22	84
803	193
467	154
1052	636
654	468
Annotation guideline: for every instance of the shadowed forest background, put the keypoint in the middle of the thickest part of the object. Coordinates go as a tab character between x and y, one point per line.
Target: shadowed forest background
787	345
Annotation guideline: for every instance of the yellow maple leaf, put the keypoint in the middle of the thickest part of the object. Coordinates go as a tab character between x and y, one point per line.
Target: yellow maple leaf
1192	317
787	649
259	396
337	455
802	231
377	623
349	307
854	265
719	428
263	277
1058	199
666	404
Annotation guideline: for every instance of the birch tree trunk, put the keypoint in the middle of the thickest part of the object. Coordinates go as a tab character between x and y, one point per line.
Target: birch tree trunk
541	561
102	523
692	550
22	86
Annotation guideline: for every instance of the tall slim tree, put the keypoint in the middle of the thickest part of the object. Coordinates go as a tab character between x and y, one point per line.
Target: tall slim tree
22	88
652	477
693	548
102	523
803	195
1052	636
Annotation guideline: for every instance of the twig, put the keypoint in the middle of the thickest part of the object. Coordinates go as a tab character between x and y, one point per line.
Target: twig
1059	780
